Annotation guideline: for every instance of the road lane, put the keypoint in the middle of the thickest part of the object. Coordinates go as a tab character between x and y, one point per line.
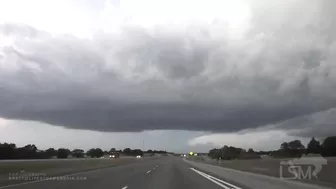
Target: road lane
163	173
174	173
166	173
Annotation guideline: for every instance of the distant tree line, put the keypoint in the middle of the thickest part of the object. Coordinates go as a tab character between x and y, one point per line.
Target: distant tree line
30	151
156	152
130	152
10	151
135	152
287	149
231	152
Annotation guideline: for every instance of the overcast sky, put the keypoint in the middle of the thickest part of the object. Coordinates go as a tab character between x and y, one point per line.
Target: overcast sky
179	75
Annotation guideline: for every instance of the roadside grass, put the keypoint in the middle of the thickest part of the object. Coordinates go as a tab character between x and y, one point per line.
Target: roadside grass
271	167
11	172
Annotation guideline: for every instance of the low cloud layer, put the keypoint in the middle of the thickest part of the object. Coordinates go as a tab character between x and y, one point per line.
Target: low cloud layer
275	64
256	139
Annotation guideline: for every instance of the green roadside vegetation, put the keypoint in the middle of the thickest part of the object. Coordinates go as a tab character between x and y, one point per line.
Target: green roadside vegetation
13	172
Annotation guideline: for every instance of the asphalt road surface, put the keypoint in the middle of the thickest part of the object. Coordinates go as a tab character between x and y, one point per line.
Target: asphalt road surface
161	173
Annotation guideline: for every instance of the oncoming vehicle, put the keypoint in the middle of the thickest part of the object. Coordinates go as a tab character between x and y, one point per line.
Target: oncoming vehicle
138	156
114	155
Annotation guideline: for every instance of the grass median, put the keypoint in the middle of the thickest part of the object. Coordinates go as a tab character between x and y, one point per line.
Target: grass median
11	171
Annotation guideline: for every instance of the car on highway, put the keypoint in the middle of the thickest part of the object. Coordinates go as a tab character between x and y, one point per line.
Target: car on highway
138	156
114	155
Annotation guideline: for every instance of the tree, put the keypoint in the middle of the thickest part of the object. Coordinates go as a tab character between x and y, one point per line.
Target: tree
30	151
50	152
112	150
284	146
329	146
290	149
295	144
226	152
127	151
159	152
250	150
137	152
95	152
8	151
150	151
27	152
31	147
62	153
313	146
99	152
214	153
78	153
91	152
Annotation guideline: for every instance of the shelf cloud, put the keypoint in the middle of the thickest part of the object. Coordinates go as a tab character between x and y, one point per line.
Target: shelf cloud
269	67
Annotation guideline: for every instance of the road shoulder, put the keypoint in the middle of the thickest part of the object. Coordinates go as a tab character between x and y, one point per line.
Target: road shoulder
251	180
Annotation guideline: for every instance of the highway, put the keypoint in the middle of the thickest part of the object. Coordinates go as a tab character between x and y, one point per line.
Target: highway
162	173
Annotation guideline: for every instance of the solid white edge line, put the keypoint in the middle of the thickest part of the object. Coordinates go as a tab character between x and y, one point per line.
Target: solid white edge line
148	171
224	182
214	181
219	180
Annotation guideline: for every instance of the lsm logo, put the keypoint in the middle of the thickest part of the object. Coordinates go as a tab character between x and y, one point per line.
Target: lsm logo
302	168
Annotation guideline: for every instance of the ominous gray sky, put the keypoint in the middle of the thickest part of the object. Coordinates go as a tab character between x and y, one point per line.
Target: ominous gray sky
215	68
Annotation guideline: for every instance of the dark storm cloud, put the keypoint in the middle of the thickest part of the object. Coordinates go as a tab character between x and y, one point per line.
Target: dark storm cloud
195	80
116	116
318	124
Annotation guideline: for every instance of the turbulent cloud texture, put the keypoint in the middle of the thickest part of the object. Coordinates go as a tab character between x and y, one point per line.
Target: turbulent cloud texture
258	140
274	64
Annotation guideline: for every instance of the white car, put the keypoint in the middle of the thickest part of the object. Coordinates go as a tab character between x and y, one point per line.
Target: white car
138	156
